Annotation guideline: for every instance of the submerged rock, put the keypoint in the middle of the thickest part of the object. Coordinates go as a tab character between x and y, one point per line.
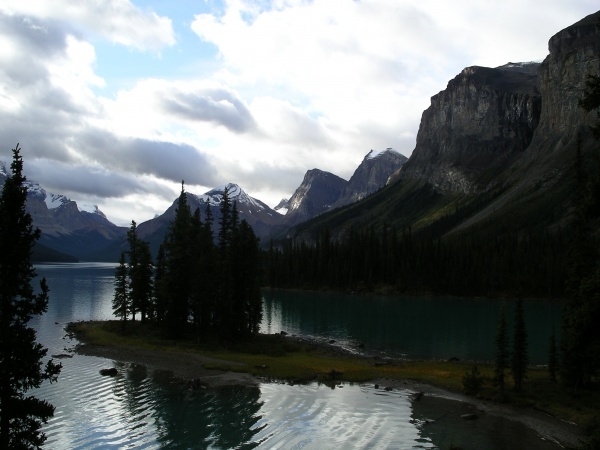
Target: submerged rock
109	372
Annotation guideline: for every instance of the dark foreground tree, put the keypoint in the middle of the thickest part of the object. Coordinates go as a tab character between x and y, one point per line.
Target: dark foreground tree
121	298
519	358
21	357
502	355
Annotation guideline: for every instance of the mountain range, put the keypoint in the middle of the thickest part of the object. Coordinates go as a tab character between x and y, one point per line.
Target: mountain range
498	144
72	232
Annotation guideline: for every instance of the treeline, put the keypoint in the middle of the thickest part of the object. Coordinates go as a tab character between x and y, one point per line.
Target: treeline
196	281
480	262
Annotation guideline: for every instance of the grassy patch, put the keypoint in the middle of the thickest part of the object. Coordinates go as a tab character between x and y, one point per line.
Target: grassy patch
284	358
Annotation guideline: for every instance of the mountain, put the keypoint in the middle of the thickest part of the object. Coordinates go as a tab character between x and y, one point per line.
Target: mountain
69	231
371	175
476	127
322	191
316	194
496	148
259	216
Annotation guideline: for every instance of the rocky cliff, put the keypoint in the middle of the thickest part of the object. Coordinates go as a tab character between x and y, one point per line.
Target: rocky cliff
475	127
317	193
371	175
496	148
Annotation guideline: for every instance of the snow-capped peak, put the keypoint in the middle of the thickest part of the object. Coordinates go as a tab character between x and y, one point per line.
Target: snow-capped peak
377	153
55	200
236	193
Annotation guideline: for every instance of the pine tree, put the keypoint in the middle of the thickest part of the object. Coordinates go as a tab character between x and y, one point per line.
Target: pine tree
178	265
246	297
159	287
21	415
501	362
552	357
121	298
519	359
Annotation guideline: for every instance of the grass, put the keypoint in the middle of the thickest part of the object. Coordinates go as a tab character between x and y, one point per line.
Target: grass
285	358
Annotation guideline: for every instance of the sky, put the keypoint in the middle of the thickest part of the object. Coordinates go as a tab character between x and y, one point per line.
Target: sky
115	102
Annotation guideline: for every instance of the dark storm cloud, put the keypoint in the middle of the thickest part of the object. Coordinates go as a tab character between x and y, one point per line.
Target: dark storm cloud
171	161
69	180
166	160
211	105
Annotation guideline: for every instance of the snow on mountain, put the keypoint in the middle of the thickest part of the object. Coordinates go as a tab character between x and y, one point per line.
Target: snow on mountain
214	197
377	153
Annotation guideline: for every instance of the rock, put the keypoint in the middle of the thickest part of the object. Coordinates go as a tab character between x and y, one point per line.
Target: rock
376	386
62	356
484	119
453	359
109	372
283	333
389	388
417	396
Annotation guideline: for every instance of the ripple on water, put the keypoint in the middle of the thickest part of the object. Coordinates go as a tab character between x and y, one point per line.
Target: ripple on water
317	416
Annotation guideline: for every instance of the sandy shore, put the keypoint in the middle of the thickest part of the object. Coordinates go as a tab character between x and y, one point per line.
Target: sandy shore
565	434
189	366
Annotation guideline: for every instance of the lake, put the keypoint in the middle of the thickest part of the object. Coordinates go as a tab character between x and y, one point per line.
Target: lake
141	408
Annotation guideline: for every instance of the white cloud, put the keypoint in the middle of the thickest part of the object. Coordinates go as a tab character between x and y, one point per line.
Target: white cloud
296	85
119	21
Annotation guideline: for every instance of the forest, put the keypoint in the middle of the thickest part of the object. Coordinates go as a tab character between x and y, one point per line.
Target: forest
211	285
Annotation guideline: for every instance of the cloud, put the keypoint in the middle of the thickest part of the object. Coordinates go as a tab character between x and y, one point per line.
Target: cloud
295	85
219	106
119	21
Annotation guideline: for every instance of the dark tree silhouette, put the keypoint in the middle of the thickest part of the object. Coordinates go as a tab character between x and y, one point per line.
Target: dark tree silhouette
21	357
519	359
501	362
121	298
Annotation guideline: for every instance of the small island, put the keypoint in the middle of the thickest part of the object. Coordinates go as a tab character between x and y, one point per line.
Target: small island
293	359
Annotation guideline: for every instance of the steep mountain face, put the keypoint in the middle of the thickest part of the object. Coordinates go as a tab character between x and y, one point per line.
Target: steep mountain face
542	177
68	230
317	193
258	215
371	175
476	127
498	142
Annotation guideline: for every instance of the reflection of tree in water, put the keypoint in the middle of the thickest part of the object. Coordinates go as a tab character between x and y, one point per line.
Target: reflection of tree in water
184	418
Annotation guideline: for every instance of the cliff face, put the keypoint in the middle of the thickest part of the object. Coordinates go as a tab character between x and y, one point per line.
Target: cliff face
371	175
477	125
574	54
317	193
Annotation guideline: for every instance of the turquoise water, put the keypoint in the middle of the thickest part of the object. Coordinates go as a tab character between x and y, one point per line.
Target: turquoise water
141	408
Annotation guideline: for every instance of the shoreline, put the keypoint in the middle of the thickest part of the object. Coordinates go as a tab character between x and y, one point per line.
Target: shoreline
189	367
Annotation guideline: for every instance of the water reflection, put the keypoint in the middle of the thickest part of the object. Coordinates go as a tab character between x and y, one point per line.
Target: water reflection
421	327
141	408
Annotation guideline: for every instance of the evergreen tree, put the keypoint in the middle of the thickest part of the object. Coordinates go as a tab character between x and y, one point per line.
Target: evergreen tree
552	357
519	359
224	308
121	299
501	362
21	415
159	286
178	265
246	297
140	274
144	280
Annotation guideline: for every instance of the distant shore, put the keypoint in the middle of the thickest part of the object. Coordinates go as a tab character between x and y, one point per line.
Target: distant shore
213	372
